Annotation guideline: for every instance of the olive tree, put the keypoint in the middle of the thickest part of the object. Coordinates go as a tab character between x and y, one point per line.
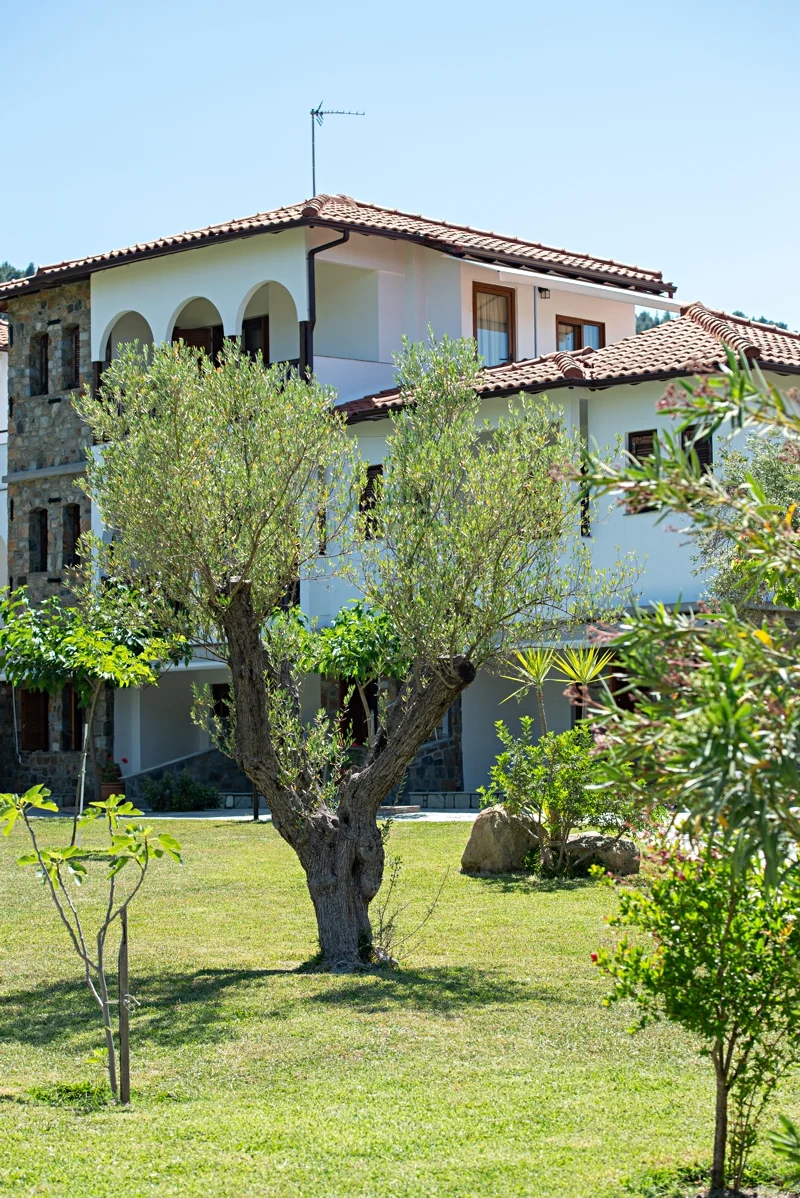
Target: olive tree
220	481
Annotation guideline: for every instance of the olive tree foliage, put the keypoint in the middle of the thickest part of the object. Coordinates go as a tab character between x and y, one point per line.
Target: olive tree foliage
772	463
217	479
712	717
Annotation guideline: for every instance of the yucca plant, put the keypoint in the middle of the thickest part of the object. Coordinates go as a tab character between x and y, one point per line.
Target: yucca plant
531	671
580	667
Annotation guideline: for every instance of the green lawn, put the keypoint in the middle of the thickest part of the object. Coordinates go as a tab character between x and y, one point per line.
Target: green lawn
486	1066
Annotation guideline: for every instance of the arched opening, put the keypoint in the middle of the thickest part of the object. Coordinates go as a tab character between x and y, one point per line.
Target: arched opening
199	325
269	325
126	329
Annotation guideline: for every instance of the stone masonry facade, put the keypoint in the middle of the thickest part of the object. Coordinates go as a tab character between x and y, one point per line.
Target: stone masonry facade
49	360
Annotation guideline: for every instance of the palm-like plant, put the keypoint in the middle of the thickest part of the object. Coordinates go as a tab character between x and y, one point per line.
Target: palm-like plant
580	667
531	671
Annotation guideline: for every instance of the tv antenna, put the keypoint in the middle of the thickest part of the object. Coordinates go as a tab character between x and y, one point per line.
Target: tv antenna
316	119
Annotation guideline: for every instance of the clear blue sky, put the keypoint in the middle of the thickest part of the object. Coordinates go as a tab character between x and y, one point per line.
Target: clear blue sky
660	133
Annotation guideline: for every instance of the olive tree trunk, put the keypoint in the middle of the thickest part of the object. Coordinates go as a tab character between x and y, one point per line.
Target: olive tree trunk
340	850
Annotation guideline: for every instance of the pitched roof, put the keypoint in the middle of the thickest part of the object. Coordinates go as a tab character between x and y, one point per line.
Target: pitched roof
695	343
343	212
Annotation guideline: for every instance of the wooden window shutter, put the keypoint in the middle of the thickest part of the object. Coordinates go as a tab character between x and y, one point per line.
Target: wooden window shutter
34	722
369	498
641	445
75	357
37	541
71	535
704	448
71	721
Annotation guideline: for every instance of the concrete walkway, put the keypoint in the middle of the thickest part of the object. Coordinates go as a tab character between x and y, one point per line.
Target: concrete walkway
431	817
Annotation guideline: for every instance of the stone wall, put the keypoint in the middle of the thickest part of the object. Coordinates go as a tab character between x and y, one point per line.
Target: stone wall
44	430
438	766
211	767
59	771
47	441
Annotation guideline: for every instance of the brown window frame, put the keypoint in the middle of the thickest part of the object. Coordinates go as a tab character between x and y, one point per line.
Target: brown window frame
580	322
511	295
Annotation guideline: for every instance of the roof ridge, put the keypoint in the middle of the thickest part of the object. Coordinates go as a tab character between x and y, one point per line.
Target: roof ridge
718	327
538	245
750	323
569	367
372	219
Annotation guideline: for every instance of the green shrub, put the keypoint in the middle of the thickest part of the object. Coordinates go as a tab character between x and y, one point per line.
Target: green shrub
179	792
553	780
718	956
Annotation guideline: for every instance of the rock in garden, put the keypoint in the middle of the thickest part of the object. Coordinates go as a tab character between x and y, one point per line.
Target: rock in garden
592	848
499	842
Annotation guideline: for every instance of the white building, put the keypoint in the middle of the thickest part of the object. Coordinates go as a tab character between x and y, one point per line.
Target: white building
333	285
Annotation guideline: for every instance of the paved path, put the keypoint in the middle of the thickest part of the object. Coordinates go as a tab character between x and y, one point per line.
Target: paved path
431	817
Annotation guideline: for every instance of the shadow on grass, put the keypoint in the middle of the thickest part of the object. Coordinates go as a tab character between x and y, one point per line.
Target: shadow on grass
208	1005
447	990
509	883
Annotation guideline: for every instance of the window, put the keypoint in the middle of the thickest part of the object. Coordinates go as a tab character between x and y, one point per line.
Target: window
704	448
572	334
641	446
221	703
40	365
71	721
37	541
255	337
72	358
71	535
493	317
34	729
369	497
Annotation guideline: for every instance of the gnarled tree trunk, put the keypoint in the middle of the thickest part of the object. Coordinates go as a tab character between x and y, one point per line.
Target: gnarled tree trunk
340	850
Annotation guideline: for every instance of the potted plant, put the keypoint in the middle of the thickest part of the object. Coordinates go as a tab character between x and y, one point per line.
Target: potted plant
111	779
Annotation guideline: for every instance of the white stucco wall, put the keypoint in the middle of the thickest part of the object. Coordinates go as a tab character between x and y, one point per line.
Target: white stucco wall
227	275
618	314
3	468
482	704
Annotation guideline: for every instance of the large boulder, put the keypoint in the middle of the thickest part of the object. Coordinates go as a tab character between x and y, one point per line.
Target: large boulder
499	842
618	855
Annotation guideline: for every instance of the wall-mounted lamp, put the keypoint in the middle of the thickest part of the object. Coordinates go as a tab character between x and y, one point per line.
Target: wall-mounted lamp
544	293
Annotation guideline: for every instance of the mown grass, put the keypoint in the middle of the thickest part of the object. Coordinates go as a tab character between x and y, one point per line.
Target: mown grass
485	1066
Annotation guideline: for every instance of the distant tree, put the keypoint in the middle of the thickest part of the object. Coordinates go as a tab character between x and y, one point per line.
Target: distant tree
9	272
646	320
779	324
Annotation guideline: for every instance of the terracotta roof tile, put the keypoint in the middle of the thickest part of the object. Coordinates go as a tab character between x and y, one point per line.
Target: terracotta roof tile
343	212
695	343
